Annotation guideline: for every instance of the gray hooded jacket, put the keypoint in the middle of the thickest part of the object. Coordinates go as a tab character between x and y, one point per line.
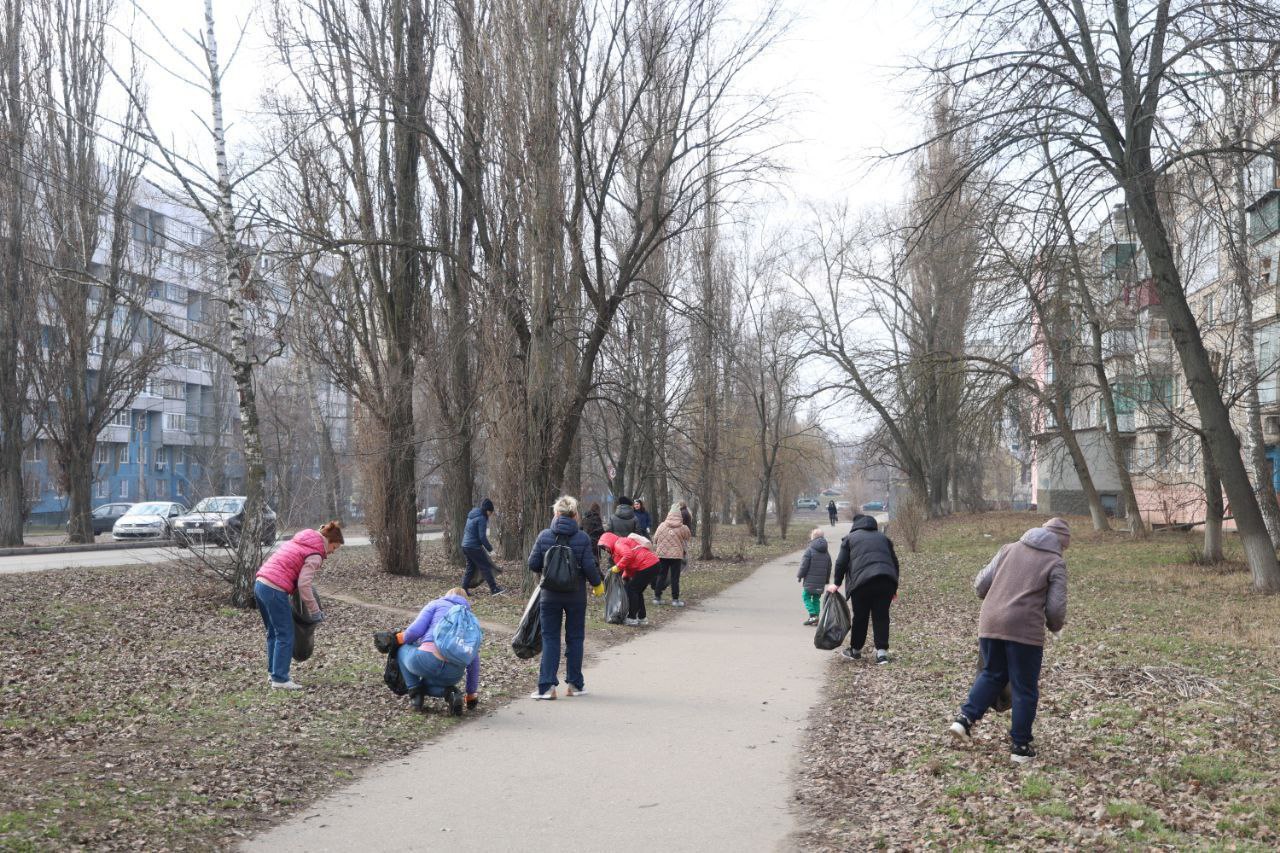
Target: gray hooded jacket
1023	589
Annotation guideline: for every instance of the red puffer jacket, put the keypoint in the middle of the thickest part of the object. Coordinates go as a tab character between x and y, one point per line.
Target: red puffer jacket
632	557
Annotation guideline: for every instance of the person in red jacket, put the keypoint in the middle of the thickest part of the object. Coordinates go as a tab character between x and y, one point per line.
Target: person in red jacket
634	557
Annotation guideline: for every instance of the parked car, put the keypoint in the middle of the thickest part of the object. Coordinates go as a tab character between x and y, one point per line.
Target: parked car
149	520
873	506
428	515
806	503
219	520
843	505
105	517
829	493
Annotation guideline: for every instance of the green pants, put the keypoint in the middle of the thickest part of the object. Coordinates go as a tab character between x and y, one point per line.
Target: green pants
812	602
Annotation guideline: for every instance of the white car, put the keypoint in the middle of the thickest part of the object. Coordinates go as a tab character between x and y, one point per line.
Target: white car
806	503
149	520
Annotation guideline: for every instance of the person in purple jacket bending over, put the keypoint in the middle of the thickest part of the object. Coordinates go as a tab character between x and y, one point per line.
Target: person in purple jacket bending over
292	567
426	672
1023	591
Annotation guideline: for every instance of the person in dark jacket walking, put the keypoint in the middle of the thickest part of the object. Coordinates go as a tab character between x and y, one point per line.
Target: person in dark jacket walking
1023	591
832	512
687	517
868	568
476	549
623	521
644	524
569	607
815	573
593	525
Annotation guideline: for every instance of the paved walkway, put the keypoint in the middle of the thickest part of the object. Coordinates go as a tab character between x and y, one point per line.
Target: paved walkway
687	741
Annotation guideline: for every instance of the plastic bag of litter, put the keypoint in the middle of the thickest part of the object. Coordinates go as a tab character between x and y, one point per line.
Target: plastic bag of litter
304	627
527	642
615	599
834	621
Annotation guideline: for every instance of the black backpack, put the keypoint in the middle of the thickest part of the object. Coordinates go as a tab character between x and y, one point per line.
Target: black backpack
560	572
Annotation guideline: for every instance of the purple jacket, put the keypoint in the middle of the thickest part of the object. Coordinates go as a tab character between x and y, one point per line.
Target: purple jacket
426	620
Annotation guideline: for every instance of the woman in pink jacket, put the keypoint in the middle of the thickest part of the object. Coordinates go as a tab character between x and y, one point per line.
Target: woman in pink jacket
292	566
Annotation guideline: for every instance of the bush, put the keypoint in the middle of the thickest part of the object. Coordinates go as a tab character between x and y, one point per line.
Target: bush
908	522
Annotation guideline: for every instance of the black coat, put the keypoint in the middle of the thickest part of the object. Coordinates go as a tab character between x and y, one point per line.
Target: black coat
623	521
865	553
815	566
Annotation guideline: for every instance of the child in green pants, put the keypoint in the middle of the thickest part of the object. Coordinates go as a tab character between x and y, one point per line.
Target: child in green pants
815	571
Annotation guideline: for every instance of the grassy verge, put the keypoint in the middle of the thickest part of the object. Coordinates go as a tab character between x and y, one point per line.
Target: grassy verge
1159	721
134	711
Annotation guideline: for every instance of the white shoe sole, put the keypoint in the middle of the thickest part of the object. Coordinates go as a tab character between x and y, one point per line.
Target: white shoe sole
959	735
543	697
1022	759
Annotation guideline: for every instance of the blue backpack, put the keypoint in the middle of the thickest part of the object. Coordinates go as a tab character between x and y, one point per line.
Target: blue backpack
457	636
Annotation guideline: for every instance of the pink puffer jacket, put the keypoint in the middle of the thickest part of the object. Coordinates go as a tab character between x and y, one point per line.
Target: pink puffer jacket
282	568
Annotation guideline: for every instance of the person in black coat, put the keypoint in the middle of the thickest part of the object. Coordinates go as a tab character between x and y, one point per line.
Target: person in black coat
593	525
623	521
832	512
868	568
644	524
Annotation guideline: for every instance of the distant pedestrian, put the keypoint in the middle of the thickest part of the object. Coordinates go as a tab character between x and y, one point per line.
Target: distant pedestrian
426	671
569	608
688	518
1023	590
593	524
292	567
868	568
623	520
633	555
670	543
814	574
644	524
832	512
476	548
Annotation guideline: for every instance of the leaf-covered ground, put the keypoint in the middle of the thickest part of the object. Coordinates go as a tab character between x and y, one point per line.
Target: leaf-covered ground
135	712
1158	727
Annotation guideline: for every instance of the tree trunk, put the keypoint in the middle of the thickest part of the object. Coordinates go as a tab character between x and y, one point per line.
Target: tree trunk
1215	419
1079	462
1214	509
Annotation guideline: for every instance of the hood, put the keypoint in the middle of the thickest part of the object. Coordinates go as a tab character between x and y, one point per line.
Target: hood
608	539
641	541
592	513
819	544
864	522
674	518
485	505
625	511
1042	540
310	539
563	525
475	512
456	599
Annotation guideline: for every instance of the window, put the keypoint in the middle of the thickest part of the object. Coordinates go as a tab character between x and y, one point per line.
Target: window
122	454
173	390
1162	450
177	489
162	456
1208	308
122	419
35	452
102	455
124	488
101	489
147	226
162	488
175	421
175	293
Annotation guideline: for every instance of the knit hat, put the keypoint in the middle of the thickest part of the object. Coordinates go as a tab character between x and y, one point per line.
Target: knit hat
1061	528
486	505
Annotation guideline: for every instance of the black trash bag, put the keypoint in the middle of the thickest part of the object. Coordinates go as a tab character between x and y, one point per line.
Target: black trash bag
615	599
1004	701
385	641
834	621
304	627
527	642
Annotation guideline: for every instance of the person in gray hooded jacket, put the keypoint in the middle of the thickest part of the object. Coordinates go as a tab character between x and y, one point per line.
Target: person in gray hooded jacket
1023	591
815	572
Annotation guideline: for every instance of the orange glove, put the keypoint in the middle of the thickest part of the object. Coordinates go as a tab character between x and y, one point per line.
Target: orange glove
473	699
400	637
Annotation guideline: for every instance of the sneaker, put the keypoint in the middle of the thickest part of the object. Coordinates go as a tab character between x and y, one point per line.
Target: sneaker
632	622
642	622
882	656
550	694
502	590
961	729
287	685
677	603
575	691
1022	753
657	601
812	620
852	654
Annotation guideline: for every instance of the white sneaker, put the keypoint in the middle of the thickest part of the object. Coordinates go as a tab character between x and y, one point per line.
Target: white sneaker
632	622
287	685
642	622
550	694
677	603
575	691
657	602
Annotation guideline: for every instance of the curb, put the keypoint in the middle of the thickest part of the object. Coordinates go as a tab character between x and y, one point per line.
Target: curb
75	549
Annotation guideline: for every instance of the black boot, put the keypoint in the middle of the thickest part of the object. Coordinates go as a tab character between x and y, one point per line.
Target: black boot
453	699
416	696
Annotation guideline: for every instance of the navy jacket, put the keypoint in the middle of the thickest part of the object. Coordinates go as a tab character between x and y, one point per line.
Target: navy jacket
644	524
580	543
476	533
865	553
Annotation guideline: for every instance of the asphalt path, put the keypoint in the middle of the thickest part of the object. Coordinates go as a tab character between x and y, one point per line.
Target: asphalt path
127	557
687	740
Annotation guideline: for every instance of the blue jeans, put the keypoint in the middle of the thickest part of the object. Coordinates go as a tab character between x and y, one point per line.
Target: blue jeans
277	616
575	632
478	561
1015	664
419	667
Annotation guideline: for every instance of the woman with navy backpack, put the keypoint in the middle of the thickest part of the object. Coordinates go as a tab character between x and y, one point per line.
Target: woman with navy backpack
430	662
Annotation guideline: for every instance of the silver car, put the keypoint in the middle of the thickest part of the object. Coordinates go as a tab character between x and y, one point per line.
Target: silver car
149	520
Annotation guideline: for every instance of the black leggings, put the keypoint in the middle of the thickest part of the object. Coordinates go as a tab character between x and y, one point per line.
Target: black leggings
668	575
872	599
635	592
